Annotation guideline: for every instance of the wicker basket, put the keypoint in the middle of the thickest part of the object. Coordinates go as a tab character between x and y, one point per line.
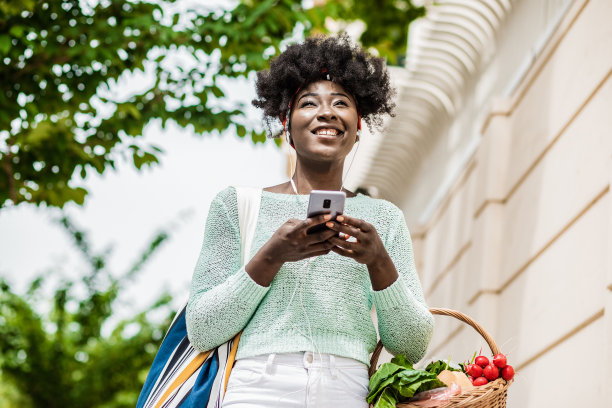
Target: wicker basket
491	395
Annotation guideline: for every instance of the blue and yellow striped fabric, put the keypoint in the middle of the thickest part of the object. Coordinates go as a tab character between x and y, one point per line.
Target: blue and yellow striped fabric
182	376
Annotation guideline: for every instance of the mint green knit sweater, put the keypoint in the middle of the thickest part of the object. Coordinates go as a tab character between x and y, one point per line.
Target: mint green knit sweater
330	312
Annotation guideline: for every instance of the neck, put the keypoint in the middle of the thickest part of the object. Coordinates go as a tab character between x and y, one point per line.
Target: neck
320	177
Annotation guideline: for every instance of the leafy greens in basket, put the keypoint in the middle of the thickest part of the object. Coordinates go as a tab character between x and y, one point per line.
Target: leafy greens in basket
397	381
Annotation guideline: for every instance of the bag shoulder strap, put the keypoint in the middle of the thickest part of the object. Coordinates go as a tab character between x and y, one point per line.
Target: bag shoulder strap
249	201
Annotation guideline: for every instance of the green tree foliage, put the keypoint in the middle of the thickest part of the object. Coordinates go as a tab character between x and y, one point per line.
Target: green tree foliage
387	24
61	358
61	114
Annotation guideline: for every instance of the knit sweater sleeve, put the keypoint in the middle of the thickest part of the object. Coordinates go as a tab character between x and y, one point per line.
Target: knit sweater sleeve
223	296
404	321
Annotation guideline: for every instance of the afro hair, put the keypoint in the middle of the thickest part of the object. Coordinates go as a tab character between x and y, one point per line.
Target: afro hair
347	64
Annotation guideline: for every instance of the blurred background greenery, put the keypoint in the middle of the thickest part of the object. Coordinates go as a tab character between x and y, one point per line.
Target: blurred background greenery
62	116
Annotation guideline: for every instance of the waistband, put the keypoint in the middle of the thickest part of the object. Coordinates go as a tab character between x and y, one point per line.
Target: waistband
305	359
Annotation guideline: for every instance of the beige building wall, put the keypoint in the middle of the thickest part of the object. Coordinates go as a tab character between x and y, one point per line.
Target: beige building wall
521	239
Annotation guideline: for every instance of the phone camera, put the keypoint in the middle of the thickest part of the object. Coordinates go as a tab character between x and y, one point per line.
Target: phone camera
326	203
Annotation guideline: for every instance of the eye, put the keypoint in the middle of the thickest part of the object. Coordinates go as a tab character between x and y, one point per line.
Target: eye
341	103
307	103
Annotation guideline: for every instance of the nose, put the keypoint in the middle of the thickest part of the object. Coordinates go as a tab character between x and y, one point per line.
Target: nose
326	112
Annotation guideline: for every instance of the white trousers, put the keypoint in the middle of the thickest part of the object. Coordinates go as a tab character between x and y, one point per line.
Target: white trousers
292	380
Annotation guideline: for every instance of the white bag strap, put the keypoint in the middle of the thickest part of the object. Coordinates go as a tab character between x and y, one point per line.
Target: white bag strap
249	200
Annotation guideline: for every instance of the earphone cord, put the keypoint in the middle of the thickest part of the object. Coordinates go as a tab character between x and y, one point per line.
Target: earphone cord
306	267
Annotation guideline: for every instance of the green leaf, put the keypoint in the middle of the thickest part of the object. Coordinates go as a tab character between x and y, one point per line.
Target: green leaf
17	31
78	195
401	360
5	44
41	133
217	92
436	367
141	158
381	378
258	137
412	381
387	399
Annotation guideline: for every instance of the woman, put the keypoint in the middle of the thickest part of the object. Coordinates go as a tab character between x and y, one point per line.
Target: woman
303	300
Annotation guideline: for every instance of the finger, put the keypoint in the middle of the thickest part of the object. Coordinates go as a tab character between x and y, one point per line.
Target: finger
323	246
311	222
321	236
346	229
342	243
355	222
343	252
348	238
319	253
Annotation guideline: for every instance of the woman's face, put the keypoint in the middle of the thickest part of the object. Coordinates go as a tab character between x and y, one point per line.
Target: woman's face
323	122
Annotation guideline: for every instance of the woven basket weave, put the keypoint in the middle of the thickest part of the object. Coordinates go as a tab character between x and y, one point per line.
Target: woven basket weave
491	395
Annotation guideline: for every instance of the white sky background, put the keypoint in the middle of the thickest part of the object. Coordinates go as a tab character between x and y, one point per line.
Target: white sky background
124	209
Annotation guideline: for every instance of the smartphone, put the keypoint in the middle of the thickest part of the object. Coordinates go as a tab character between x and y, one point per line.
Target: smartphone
325	202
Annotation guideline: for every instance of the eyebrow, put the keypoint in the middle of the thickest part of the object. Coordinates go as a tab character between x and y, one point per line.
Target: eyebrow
316	94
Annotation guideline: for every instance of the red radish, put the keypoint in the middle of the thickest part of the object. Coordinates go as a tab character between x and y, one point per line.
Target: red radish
482	361
491	372
471	380
500	360
507	373
480	381
473	370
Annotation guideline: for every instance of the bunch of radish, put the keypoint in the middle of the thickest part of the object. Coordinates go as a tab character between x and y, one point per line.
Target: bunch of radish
481	371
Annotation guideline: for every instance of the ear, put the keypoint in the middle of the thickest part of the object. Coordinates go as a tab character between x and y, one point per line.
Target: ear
358	122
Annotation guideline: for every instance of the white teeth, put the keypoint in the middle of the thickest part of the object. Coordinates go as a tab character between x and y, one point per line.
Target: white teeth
327	132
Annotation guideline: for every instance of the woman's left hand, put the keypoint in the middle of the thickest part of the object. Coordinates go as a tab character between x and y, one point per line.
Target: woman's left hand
367	248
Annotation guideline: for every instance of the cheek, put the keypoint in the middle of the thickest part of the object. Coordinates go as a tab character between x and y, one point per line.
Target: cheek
298	122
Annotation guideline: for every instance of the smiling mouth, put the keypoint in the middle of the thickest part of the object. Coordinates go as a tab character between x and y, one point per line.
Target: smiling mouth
327	132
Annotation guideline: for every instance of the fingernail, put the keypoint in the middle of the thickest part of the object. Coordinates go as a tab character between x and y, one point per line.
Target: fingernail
329	224
327	217
340	218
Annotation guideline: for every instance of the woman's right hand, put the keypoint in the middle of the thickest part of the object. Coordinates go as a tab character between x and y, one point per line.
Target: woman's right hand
289	243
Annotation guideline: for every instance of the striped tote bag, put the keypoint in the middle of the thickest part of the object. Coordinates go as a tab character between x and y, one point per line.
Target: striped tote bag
182	376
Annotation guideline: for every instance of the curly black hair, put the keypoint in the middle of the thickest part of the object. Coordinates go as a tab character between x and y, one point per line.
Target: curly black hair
363	75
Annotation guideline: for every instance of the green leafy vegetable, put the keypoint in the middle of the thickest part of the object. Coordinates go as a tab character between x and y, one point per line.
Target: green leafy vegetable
436	367
397	381
401	360
387	399
384	376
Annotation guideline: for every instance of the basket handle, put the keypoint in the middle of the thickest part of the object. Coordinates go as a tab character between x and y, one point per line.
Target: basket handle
442	312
